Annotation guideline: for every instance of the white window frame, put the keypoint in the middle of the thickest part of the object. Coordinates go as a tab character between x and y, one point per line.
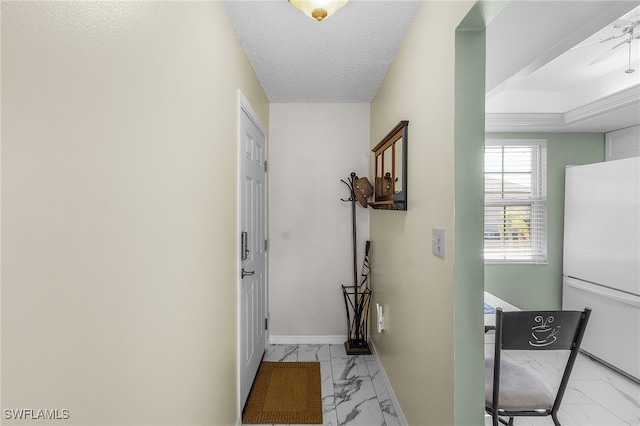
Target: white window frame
537	202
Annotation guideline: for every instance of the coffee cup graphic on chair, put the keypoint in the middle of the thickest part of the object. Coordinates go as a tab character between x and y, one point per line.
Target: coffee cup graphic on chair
543	334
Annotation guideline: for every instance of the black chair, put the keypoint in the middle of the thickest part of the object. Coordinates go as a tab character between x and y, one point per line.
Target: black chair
512	390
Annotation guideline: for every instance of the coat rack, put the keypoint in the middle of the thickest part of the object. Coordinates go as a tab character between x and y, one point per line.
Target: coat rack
357	296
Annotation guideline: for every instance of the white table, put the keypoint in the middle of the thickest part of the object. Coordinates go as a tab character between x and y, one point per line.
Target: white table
496	302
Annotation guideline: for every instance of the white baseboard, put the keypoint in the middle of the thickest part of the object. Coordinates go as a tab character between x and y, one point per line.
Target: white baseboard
387	383
307	340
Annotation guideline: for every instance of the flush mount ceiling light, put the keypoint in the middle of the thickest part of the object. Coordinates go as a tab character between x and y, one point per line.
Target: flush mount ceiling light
318	9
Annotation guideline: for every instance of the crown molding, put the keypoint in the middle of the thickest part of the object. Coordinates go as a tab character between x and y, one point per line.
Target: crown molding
607	104
520	122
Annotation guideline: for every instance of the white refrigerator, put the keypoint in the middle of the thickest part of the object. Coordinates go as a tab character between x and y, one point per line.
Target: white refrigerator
601	265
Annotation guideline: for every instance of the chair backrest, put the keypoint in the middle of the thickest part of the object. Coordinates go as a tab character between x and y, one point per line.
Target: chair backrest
541	330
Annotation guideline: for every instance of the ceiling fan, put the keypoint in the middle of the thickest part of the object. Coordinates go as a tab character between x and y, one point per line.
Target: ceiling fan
630	30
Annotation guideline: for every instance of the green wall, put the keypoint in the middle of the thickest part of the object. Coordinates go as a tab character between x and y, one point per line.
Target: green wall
540	286
468	236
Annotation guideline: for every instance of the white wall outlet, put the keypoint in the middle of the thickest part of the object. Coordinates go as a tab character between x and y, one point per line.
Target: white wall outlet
380	318
437	242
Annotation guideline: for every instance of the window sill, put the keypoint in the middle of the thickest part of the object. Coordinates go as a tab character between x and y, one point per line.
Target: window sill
515	262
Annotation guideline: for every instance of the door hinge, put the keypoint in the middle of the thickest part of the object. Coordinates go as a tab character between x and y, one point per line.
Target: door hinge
266	323
265	166
266	245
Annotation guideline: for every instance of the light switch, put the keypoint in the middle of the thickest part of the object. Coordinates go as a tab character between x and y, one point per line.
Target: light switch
437	242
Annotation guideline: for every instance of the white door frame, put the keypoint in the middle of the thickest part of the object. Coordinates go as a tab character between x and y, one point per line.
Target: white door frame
245	107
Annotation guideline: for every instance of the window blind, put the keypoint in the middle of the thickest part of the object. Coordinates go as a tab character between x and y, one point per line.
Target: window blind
515	213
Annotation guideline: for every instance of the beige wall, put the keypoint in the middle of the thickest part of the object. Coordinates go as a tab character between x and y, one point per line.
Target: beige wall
312	147
119	208
416	288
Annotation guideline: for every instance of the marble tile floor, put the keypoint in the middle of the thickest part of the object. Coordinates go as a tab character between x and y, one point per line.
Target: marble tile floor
354	394
595	395
353	391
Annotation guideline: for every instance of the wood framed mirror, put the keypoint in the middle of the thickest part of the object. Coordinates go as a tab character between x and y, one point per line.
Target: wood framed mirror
390	163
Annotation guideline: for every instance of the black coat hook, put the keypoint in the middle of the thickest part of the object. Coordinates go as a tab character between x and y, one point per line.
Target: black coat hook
350	186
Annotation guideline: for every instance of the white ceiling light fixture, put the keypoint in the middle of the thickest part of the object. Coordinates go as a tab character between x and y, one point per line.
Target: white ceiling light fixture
318	9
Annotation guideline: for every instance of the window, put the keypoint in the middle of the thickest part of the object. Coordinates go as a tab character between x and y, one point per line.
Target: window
515	201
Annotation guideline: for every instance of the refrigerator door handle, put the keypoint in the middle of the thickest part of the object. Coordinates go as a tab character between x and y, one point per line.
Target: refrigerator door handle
629	300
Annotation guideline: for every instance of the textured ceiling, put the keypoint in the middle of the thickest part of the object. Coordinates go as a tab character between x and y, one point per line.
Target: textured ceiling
342	59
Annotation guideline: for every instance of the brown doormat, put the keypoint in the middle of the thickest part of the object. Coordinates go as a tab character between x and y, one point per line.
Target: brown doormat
285	392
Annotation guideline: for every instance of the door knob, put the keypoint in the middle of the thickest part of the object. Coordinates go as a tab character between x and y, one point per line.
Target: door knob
247	273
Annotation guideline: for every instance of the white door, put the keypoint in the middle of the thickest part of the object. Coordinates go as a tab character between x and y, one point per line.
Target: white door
253	312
